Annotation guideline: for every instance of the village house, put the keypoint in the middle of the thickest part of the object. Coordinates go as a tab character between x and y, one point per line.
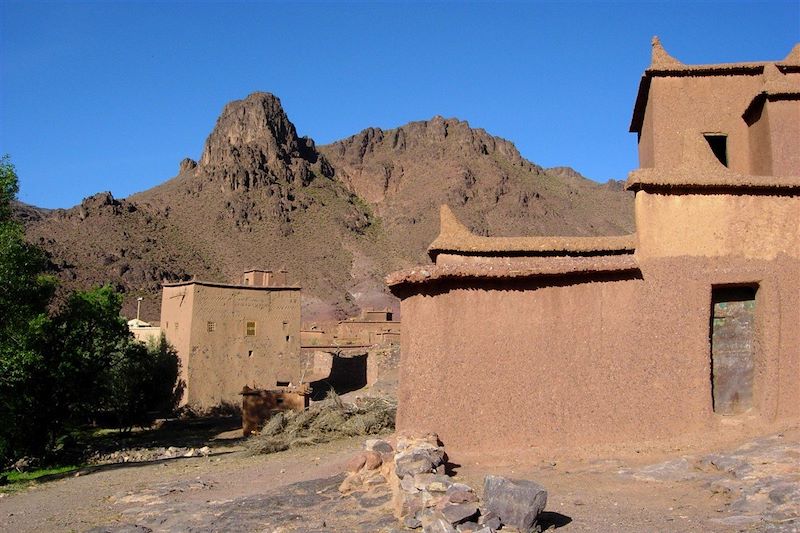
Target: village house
228	336
690	324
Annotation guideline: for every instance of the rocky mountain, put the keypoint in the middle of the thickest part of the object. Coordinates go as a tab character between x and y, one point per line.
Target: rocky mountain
338	217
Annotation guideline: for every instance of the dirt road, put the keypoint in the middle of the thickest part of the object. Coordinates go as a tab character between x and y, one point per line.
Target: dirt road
752	486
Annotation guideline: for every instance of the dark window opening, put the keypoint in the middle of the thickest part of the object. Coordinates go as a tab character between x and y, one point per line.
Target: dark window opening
249	353
279	401
282	383
288	337
719	145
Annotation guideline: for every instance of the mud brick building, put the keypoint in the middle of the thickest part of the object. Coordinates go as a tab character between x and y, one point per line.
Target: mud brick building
691	323
229	336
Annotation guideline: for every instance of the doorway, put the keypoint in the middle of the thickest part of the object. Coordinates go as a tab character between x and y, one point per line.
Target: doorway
732	348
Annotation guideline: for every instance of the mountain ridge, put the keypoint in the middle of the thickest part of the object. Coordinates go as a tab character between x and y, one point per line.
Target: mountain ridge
338	216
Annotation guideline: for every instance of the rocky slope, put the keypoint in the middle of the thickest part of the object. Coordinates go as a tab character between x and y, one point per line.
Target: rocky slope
338	217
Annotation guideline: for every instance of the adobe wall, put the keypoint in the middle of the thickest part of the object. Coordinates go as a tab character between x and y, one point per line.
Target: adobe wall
578	362
760	135
224	360
703	104
502	366
365	330
757	226
146	334
176	319
784	128
678	302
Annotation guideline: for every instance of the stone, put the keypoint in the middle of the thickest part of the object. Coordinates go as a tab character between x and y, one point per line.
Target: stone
490	520
418	458
356	463
431	499
517	502
412	463
461	512
351	483
432	482
409	506
460	493
407	484
439	525
372	460
468	527
378	445
411	522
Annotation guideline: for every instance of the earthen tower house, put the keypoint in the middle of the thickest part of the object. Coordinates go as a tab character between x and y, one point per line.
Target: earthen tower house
691	323
229	336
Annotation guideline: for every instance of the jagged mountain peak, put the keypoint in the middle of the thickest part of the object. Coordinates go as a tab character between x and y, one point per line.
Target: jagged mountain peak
255	145
258	120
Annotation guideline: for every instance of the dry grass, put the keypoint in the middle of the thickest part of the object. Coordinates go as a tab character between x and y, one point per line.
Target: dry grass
326	421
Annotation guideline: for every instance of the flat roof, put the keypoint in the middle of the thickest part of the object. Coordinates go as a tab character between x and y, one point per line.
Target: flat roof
233	286
534	267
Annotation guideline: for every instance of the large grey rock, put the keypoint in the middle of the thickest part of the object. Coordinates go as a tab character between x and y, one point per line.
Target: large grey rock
517	502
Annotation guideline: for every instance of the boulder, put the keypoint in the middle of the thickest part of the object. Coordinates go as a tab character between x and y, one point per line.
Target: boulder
516	502
378	445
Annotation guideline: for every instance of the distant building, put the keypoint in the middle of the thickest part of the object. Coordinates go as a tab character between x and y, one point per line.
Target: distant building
229	336
372	327
144	331
686	327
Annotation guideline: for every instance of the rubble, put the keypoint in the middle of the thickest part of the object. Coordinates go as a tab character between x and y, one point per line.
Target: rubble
425	496
140	455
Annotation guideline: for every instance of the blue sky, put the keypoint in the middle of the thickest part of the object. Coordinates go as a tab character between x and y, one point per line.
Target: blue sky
112	95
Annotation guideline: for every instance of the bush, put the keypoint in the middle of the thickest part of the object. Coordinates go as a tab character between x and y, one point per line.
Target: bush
141	382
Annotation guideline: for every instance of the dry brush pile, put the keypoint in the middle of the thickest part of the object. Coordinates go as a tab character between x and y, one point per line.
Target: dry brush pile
326	421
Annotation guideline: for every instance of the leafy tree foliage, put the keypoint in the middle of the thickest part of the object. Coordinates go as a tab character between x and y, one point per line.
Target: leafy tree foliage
141	381
25	291
64	369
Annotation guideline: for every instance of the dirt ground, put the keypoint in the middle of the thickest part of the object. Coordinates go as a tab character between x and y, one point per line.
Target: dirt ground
752	485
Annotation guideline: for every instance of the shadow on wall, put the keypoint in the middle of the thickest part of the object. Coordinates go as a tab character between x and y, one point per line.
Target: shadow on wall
347	374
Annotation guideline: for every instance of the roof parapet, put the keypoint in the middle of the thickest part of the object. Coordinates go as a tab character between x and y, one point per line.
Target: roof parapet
455	238
793	57
659	58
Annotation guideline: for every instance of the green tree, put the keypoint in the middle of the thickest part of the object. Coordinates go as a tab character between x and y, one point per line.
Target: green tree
25	292
102	370
62	370
142	381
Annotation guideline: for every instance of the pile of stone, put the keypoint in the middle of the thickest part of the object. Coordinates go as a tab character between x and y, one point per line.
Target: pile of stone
141	455
425	496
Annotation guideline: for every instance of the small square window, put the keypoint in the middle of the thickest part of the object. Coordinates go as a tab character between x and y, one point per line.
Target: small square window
211	326
250	329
